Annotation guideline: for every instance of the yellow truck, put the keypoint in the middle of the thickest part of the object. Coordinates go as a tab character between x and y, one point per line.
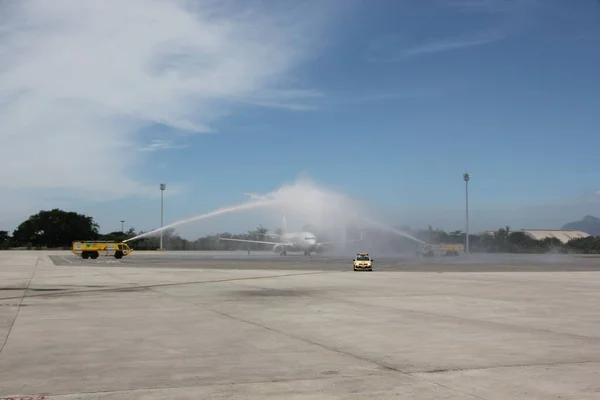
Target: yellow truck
430	250
363	262
93	249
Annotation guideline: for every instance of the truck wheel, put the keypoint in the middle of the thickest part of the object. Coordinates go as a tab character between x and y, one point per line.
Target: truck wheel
85	255
93	255
118	255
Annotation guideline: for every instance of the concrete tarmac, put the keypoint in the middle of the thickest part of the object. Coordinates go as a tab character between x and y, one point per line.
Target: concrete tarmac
332	262
187	325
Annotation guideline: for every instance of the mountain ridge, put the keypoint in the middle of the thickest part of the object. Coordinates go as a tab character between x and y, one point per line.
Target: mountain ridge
588	224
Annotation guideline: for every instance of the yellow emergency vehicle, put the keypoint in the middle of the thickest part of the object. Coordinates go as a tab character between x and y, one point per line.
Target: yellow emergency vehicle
93	249
430	250
363	262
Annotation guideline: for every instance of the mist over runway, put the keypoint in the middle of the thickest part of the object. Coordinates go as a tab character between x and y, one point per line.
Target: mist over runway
266	260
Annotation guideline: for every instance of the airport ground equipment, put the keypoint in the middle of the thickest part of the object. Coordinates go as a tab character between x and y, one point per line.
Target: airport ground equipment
93	249
363	262
430	250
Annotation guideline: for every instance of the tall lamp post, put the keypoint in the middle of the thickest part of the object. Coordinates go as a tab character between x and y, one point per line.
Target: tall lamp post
467	177
122	226
162	190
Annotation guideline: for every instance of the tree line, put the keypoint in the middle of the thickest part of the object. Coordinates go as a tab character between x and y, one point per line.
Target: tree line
57	229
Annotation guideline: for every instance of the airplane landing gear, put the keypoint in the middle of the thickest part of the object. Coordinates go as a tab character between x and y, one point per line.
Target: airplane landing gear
283	253
306	253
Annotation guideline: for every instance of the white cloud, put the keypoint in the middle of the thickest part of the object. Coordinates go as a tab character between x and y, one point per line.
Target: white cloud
501	19
480	5
457	42
495	6
395	47
158	145
78	79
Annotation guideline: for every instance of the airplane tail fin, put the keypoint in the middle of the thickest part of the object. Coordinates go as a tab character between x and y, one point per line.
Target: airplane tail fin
283	224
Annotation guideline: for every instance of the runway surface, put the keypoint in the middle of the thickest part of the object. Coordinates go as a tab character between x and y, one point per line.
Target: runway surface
327	262
222	326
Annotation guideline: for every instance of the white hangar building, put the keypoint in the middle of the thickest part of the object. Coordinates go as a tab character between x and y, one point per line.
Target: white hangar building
563	235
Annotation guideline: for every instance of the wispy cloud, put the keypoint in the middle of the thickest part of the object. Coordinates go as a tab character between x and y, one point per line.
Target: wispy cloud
295	100
481	5
395	48
453	43
494	6
255	196
392	96
158	145
490	21
78	80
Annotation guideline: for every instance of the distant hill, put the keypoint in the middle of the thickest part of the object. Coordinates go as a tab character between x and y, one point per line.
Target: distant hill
588	224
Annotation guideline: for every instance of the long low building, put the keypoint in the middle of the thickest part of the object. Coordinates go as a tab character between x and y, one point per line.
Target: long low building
563	235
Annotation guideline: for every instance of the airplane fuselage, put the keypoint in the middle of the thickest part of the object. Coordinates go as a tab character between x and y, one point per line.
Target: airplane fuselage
297	241
294	242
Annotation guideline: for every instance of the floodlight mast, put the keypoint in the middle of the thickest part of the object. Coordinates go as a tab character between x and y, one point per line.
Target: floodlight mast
467	178
162	190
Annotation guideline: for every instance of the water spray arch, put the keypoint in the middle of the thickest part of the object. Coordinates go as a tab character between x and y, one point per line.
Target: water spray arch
331	211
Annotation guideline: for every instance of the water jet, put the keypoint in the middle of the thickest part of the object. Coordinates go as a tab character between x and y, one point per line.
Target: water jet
305	204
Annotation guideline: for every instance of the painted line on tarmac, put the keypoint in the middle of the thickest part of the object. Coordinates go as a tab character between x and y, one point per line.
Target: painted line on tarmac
118	289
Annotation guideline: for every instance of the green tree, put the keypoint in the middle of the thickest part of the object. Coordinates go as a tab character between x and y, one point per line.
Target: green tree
588	245
260	231
55	228
4	240
116	236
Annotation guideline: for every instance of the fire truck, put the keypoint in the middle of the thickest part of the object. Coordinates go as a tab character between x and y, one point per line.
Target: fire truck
93	249
430	250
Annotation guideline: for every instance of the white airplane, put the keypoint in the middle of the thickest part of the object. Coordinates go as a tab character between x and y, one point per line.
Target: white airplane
293	242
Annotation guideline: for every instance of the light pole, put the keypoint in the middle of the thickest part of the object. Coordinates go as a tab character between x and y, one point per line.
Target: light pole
122	226
467	177
162	190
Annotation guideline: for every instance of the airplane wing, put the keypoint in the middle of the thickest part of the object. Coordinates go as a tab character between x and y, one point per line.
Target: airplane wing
253	241
268	234
345	241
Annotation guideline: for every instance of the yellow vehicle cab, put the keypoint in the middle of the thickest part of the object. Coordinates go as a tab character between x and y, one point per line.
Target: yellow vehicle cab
430	250
363	262
92	249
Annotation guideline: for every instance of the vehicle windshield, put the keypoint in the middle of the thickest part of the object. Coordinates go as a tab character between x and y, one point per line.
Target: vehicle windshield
362	258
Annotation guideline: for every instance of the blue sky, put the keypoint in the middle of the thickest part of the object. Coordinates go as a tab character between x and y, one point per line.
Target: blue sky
392	100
